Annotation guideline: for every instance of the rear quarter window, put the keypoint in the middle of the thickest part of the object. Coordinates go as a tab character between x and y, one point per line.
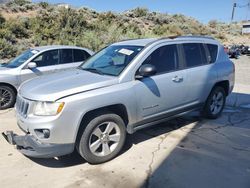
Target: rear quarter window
213	51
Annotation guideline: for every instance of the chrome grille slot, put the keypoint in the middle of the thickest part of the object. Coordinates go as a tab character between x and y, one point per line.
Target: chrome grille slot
22	106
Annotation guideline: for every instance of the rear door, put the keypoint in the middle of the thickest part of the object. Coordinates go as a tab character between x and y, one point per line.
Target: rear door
47	62
71	58
201	72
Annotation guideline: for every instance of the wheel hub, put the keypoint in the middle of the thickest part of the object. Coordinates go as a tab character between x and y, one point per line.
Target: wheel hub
104	138
216	102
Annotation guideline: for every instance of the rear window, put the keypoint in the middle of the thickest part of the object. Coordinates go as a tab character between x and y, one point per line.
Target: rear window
80	55
213	50
66	56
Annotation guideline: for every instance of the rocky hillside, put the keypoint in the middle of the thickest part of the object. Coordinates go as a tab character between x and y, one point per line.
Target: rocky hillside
24	24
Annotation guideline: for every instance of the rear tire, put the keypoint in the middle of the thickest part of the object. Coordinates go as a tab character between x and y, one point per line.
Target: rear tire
215	103
7	97
102	139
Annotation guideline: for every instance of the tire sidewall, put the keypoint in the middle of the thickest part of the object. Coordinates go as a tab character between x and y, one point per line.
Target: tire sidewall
83	146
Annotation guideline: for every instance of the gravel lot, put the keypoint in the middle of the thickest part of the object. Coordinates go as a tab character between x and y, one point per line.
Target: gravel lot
185	152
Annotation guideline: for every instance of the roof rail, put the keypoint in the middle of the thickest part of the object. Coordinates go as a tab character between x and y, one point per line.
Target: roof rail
187	36
130	39
197	36
184	36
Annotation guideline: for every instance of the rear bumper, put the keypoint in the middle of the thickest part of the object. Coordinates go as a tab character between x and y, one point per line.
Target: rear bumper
30	146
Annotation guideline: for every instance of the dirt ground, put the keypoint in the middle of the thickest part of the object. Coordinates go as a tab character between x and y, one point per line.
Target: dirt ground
185	152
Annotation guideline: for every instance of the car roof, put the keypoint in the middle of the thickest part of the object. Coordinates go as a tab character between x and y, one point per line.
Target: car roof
148	41
54	47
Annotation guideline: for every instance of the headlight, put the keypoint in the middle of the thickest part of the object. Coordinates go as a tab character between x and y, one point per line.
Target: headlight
48	108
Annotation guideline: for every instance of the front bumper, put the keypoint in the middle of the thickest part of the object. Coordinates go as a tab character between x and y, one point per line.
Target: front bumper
30	146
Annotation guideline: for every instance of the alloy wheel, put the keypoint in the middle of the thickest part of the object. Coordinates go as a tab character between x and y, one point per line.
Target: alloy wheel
5	97
104	139
216	103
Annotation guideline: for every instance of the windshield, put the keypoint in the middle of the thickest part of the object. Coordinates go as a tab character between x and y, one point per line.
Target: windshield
111	60
19	60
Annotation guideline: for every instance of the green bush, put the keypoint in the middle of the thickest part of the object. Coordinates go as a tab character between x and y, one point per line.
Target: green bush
43	4
6	34
168	30
18	28
2	20
140	12
7	50
18	2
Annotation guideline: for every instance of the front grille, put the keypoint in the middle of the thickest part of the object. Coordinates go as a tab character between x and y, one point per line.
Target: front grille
22	106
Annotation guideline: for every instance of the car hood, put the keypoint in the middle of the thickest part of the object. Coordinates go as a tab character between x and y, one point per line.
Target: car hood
55	86
4	69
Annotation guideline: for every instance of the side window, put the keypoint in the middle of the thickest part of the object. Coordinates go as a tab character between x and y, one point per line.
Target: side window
47	58
80	55
66	56
195	54
165	59
213	51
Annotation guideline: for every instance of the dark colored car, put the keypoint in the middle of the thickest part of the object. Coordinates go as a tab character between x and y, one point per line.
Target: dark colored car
246	50
234	52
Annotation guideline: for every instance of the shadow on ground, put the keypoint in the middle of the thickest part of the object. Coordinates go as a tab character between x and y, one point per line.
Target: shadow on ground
215	154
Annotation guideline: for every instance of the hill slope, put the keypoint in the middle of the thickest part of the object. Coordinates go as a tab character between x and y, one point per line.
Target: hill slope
27	24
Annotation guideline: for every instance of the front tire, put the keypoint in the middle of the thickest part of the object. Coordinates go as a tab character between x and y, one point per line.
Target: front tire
215	103
7	97
102	139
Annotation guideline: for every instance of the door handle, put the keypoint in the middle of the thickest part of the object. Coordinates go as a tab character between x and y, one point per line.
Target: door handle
177	79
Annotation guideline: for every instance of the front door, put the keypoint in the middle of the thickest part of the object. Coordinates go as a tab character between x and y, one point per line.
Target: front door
47	62
164	91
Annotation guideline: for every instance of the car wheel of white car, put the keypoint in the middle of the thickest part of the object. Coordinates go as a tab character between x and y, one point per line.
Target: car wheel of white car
102	139
215	103
7	97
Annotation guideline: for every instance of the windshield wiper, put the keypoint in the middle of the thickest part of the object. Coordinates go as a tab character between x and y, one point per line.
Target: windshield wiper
94	70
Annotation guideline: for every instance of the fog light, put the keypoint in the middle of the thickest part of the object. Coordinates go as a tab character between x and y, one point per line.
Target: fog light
42	133
46	133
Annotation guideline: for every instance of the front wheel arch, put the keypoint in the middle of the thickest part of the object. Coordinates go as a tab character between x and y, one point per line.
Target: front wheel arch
118	109
9	85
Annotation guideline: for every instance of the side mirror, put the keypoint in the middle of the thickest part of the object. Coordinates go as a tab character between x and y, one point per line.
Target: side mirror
31	65
146	71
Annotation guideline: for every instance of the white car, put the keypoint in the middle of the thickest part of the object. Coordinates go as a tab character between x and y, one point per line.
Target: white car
36	62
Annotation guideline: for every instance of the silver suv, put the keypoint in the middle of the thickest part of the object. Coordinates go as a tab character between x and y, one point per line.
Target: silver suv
125	87
36	62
